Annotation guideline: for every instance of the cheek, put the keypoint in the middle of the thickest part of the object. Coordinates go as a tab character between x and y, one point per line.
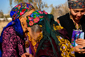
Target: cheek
73	13
83	13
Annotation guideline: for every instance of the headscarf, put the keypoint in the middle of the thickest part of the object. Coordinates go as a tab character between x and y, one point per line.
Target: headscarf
47	21
75	4
18	11
35	18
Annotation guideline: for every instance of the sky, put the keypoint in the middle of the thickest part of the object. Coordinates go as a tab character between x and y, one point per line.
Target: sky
5	5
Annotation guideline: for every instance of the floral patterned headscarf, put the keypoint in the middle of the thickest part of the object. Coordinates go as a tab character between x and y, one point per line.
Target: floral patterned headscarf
74	4
35	17
20	9
15	13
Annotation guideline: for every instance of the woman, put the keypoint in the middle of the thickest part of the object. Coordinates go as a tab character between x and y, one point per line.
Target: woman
13	34
75	20
43	39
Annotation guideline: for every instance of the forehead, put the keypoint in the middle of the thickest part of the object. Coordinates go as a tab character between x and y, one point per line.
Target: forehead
79	9
29	12
75	0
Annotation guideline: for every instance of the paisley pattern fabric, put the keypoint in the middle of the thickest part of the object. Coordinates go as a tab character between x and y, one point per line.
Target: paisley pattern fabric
12	45
76	4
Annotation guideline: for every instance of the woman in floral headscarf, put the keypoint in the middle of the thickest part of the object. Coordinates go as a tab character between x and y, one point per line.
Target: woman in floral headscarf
75	21
44	37
13	34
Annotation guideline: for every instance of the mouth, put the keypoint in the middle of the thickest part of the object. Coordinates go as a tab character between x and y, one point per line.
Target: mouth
78	17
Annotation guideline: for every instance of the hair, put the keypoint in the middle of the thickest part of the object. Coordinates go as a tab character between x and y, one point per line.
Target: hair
25	14
27	11
36	28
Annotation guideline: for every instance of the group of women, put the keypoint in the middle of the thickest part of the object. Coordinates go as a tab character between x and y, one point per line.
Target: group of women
38	31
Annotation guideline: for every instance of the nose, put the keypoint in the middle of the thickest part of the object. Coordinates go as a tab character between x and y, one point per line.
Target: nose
79	14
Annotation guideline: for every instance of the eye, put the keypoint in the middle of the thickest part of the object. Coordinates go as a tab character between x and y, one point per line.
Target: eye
76	11
82	11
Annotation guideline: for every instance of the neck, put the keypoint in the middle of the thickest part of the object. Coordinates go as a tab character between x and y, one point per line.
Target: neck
35	35
75	21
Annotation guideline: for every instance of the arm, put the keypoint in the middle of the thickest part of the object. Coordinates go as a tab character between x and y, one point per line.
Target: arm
21	46
9	44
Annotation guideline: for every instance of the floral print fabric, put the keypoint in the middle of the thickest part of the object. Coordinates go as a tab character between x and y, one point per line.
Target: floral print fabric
65	48
76	4
12	45
20	9
35	18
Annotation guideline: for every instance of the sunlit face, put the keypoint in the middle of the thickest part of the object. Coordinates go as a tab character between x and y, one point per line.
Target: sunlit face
77	13
23	20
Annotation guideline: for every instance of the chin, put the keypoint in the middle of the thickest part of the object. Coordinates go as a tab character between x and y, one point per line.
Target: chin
77	19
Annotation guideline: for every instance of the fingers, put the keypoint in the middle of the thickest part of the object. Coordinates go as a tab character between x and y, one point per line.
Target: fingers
27	54
23	55
81	51
30	55
80	41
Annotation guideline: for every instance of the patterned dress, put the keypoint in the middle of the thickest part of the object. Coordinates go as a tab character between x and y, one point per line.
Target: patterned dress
12	45
65	46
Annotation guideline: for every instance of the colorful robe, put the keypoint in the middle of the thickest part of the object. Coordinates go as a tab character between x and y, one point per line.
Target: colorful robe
12	45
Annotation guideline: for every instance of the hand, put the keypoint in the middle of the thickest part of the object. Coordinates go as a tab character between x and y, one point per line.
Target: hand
78	48
82	51
80	42
26	55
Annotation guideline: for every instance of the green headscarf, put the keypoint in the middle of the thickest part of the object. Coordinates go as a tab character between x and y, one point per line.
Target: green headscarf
47	21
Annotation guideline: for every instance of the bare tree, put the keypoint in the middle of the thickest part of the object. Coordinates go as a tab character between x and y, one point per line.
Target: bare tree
1	14
38	4
60	10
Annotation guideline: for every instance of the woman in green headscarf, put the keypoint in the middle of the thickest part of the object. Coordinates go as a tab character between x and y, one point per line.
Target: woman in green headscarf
44	37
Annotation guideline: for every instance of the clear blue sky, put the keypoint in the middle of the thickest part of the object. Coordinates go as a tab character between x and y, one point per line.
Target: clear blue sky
5	5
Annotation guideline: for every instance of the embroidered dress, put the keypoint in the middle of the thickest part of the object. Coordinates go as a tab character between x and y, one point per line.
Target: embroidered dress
12	45
34	44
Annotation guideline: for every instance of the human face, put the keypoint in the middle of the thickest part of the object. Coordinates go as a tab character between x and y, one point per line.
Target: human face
23	20
77	13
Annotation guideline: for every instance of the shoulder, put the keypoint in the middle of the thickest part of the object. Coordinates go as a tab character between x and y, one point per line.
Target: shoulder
64	16
83	18
9	30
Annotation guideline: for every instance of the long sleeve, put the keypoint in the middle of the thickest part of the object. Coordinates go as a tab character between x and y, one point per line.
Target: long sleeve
21	46
10	43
